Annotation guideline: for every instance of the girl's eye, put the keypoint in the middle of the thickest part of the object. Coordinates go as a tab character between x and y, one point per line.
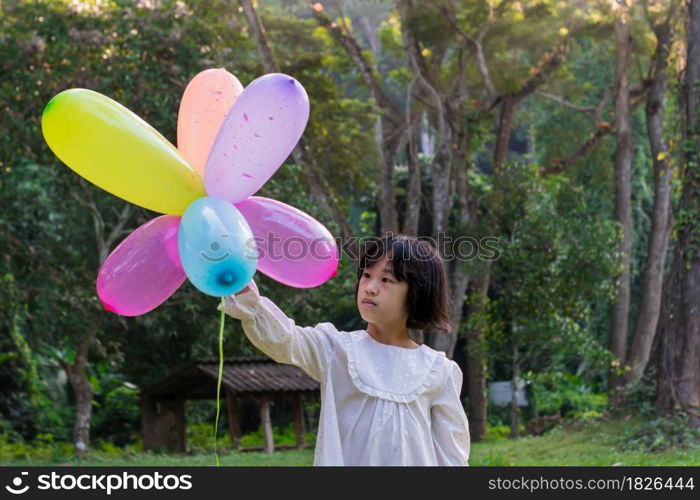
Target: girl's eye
365	275
387	280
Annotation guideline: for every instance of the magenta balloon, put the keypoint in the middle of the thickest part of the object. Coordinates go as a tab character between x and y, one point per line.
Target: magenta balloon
293	247
258	134
144	270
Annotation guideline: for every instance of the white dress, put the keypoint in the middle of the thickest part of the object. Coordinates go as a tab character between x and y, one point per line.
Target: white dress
380	404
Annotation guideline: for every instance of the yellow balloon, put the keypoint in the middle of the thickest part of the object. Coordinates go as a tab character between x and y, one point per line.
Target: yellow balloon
116	150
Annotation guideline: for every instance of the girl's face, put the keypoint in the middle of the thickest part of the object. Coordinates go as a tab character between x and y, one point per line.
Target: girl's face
381	298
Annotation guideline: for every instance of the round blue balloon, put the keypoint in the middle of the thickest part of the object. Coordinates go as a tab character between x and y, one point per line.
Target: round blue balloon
217	248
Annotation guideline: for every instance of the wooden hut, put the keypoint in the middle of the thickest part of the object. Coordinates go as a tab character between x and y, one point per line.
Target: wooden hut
256	378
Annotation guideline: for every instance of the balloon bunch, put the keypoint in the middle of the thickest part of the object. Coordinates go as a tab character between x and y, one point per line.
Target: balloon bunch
231	140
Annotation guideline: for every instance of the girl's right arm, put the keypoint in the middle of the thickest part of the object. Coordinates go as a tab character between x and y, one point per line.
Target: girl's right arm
271	331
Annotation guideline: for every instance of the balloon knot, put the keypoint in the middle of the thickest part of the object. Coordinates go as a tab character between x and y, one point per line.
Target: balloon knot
108	308
226	278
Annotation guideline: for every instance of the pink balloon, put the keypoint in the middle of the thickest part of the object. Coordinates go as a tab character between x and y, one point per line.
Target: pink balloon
144	270
293	247
207	100
256	137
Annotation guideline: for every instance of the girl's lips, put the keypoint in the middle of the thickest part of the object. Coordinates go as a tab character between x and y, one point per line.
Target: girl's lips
368	303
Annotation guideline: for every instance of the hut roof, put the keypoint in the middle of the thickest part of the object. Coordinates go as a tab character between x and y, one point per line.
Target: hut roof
241	375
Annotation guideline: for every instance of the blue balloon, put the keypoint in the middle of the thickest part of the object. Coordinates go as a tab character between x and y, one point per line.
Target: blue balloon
217	248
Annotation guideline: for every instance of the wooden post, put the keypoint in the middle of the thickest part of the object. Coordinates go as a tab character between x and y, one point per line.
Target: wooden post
148	422
180	425
267	424
299	430
234	420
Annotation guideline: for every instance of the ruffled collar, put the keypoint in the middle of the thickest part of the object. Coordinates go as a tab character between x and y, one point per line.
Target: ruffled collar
395	373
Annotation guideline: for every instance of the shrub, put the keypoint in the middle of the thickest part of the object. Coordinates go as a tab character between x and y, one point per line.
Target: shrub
281	436
565	393
661	434
118	419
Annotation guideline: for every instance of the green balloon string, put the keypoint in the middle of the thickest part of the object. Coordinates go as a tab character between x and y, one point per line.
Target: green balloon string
221	373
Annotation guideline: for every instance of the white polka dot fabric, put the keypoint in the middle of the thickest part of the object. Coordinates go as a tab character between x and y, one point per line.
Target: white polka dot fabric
381	405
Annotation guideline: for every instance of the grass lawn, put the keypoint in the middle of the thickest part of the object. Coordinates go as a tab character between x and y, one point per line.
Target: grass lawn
592	443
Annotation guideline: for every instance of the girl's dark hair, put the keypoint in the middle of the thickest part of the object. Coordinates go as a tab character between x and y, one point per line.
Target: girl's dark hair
417	263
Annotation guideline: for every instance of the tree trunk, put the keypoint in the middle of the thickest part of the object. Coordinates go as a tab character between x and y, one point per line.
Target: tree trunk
505	125
258	31
426	139
476	358
515	367
84	395
678	386
388	219
393	120
623	193
650	303
388	216
454	144
319	189
413	187
371	31
234	420
266	423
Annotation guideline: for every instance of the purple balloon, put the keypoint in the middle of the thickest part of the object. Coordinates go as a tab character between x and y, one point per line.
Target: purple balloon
293	247
258	134
144	270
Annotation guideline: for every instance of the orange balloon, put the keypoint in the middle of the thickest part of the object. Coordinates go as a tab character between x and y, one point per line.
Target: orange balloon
205	103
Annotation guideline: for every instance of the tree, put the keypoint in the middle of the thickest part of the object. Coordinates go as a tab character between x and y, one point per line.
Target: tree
552	268
623	192
678	389
439	79
58	228
647	318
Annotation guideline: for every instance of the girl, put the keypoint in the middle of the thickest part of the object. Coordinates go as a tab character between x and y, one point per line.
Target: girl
385	399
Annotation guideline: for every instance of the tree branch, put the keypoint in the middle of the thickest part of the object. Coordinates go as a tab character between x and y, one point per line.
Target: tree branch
258	29
318	185
602	129
550	63
346	40
564	102
477	42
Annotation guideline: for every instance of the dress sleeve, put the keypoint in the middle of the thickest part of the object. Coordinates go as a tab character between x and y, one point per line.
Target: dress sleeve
450	427
271	331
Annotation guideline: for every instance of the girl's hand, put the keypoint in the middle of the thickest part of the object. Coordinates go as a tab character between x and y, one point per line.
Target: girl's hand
251	285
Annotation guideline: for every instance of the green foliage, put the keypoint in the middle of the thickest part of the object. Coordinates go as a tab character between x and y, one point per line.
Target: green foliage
281	436
555	266
142	55
550	288
200	438
597	443
660	434
566	394
43	447
594	443
117	420
497	432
